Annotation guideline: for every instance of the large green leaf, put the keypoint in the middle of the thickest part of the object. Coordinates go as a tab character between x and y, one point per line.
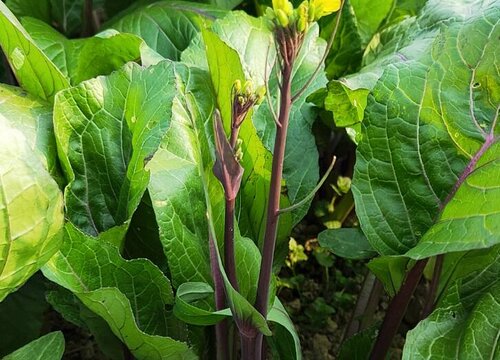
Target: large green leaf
167	26
34	71
22	314
184	192
73	310
256	56
83	59
34	119
346	243
467	323
131	296
406	39
48	347
427	167
106	130
31	210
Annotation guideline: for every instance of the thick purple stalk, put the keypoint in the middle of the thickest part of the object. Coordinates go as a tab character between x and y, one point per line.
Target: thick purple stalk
273	208
229	258
221	329
396	311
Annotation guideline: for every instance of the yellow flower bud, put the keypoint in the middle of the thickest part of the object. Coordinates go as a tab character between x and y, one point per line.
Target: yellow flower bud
260	93
311	12
288	8
282	18
248	88
237	86
302	24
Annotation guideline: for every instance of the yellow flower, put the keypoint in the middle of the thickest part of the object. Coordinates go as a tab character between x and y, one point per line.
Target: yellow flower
325	7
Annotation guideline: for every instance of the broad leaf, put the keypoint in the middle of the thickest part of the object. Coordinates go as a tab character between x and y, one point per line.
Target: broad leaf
48	347
429	152
34	71
31	210
34	119
407	39
457	330
130	296
390	270
300	168
83	59
346	243
167	26
73	310
22	315
107	129
184	192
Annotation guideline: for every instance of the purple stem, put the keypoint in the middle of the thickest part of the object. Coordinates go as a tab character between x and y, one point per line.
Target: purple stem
396	310
221	329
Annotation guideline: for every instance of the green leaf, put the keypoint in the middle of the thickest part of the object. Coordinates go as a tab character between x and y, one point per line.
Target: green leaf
406	39
83	59
359	346
184	160
73	310
33	118
347	243
22	315
143	238
34	71
31	210
429	152
167	26
390	270
300	168
188	293
287	338
39	9
225	68
130	296
107	128
48	347
458	331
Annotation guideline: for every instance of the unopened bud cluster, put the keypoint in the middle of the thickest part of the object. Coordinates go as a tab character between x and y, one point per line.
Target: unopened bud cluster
284	15
246	94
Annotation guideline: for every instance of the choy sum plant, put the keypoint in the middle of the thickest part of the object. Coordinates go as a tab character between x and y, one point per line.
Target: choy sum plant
155	157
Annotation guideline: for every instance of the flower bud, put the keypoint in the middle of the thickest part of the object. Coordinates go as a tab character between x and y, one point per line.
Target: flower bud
241	100
311	12
288	9
260	93
248	88
237	86
302	24
282	18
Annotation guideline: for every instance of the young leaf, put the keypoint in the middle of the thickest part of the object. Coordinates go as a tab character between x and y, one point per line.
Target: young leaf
429	152
48	347
106	129
34	71
347	243
83	59
31	209
119	291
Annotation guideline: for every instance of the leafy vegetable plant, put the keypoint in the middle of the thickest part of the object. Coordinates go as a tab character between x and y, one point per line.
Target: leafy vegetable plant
155	157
